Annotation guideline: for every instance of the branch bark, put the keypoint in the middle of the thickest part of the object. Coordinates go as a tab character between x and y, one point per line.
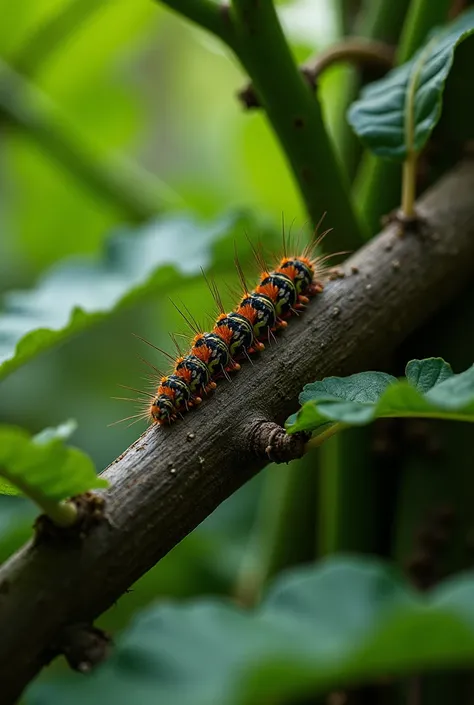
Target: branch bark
169	480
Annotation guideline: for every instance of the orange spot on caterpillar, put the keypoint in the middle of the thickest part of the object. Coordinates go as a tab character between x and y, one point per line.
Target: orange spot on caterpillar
269	290
248	312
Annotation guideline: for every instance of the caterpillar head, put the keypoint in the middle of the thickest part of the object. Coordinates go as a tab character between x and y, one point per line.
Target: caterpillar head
300	270
162	409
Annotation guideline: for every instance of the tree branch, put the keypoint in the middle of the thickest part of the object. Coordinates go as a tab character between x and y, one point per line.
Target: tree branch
170	479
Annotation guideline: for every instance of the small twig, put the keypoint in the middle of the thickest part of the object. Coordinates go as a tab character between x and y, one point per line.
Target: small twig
353	50
270	440
84	646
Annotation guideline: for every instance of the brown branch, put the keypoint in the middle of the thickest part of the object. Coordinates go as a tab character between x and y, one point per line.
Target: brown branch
365	53
169	480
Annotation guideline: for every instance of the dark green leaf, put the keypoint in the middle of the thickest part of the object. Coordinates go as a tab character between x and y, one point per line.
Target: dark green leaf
430	390
76	295
425	374
343	622
42	467
396	115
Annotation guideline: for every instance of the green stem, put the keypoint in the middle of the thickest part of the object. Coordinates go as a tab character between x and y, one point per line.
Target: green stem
61	513
296	118
422	16
213	16
135	192
347	493
283	534
318	440
409	185
51	35
376	187
351	50
374	21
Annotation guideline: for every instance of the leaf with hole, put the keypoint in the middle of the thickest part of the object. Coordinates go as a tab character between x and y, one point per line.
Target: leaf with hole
396	115
343	622
430	390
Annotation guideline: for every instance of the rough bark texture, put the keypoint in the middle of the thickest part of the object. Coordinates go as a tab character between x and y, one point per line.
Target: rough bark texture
167	482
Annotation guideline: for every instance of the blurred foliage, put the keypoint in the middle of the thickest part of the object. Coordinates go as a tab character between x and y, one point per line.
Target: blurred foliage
314	630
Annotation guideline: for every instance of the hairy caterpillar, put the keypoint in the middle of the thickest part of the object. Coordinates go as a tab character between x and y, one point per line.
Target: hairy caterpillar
280	293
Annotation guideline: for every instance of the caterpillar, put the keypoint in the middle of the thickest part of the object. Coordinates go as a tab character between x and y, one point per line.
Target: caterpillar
281	293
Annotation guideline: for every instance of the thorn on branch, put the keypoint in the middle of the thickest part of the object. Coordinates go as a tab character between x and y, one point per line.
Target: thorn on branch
362	52
90	512
269	440
84	646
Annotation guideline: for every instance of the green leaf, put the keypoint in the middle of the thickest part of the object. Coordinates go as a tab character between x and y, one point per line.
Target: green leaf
80	293
343	622
425	374
42	467
430	390
396	115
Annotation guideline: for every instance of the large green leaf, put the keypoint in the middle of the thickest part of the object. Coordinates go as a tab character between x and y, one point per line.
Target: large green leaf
396	115
80	293
343	622
430	390
42	467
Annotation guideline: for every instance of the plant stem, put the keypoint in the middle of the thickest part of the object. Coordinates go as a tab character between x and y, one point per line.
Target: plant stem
352	50
213	16
134	192
283	534
61	513
422	16
409	185
318	440
376	185
51	35
296	118
375	21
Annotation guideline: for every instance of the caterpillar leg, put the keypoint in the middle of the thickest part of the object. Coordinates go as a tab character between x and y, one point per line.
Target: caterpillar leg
233	367
315	288
257	346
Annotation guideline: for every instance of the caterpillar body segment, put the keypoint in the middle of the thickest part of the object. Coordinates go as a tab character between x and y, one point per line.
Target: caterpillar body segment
260	311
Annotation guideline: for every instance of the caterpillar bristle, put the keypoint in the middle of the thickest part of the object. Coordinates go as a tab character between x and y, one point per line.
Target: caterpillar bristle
188	317
281	293
160	350
138	391
215	293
